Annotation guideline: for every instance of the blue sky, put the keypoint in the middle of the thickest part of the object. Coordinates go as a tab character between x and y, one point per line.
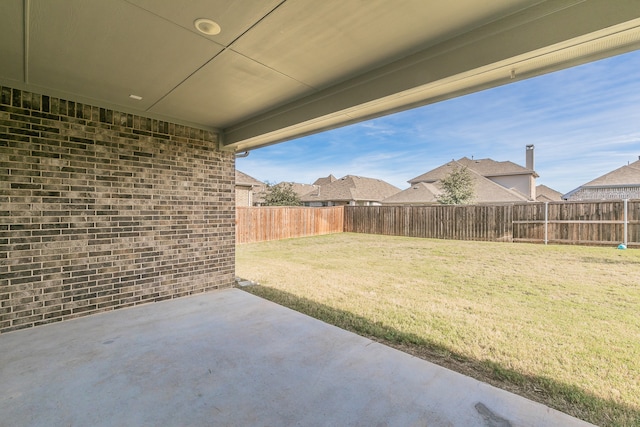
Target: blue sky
583	121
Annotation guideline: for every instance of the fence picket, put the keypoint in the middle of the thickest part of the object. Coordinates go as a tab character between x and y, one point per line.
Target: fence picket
590	223
257	224
568	222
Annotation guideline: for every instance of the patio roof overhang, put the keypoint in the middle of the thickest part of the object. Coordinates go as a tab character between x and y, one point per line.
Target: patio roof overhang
281	69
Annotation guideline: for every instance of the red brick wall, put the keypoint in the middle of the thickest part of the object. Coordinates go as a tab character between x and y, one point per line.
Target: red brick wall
101	209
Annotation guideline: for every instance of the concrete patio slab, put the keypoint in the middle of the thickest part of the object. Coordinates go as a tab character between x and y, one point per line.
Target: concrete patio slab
228	358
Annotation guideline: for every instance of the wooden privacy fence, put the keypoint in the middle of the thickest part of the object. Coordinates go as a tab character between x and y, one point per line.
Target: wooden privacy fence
476	222
581	223
588	223
257	224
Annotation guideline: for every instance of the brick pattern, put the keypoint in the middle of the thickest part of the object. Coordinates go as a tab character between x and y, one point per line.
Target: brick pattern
606	193
101	210
243	196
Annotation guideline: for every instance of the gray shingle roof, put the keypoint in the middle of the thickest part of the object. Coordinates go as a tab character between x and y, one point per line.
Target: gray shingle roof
626	175
485	167
326	180
352	187
418	194
489	167
546	194
301	189
621	183
245	180
485	190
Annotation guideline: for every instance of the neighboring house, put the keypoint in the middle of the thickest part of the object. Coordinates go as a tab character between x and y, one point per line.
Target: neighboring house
300	189
350	190
494	182
249	191
546	194
622	183
426	193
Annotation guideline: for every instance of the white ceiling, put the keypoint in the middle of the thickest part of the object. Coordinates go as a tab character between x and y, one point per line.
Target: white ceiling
285	68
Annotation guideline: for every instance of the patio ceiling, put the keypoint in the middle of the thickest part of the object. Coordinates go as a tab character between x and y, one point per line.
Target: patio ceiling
280	69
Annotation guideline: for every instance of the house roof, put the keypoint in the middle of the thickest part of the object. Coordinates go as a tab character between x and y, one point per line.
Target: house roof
628	175
436	174
300	189
485	190
484	167
351	187
547	194
326	180
278	69
244	180
419	193
490	167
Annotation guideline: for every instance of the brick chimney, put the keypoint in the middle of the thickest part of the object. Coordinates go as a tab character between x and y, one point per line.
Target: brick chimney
530	164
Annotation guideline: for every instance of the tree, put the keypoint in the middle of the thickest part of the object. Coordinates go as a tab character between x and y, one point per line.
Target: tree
457	188
281	195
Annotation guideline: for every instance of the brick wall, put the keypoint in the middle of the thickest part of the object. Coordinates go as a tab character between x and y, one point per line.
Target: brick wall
243	196
102	210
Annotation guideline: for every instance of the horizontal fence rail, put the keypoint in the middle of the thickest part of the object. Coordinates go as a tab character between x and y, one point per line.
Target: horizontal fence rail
257	224
579	223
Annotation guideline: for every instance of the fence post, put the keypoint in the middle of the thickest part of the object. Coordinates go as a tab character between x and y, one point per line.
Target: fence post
626	220
546	222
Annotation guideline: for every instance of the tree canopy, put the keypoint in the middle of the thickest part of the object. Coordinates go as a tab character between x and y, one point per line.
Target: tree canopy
281	195
457	188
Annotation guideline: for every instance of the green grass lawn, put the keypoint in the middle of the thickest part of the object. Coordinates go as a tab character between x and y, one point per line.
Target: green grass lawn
557	324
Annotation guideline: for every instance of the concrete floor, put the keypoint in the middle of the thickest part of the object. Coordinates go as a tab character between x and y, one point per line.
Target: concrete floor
228	358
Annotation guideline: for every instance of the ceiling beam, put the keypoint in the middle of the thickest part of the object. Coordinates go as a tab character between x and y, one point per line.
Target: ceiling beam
552	35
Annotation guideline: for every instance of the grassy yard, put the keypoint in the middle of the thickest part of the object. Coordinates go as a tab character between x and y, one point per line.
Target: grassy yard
557	324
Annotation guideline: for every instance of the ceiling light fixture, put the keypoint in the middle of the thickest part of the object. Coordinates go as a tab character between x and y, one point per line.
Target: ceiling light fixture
136	97
207	26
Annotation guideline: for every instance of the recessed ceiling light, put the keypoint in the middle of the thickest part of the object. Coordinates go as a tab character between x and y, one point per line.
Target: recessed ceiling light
136	97
207	26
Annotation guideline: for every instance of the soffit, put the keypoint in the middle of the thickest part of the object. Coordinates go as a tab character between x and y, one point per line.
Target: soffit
341	39
11	45
235	17
280	69
268	53
303	46
228	88
110	50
